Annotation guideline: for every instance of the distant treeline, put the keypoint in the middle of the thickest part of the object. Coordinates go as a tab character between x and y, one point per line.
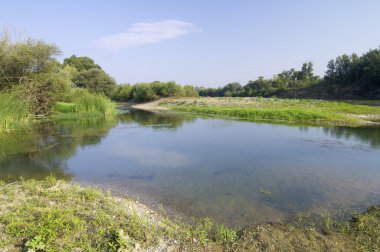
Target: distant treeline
346	77
29	68
142	92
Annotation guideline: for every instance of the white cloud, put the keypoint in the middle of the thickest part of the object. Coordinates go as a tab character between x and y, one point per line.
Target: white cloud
147	33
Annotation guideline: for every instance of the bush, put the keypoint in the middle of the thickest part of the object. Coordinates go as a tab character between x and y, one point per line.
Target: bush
143	92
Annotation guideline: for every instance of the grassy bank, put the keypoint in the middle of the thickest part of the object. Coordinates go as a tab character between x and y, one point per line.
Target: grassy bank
316	112
14	113
54	215
83	104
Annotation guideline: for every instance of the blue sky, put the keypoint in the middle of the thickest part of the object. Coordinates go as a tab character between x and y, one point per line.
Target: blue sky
200	42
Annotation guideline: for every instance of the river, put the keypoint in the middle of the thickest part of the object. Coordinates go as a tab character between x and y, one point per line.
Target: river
236	172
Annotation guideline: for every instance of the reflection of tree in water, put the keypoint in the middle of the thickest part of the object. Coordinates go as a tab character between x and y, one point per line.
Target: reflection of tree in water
365	135
158	121
45	150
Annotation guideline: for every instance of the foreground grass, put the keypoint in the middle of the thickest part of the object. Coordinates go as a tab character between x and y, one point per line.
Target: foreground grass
14	113
283	110
53	215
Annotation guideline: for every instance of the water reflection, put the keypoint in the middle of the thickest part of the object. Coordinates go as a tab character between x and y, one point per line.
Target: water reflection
365	135
234	171
45	149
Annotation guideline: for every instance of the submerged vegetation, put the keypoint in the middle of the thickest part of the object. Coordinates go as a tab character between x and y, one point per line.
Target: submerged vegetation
288	110
52	215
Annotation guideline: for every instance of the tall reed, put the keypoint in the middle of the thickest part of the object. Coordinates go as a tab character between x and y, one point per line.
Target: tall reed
84	102
14	113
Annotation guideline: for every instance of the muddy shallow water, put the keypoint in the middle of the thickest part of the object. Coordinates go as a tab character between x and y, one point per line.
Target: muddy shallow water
240	173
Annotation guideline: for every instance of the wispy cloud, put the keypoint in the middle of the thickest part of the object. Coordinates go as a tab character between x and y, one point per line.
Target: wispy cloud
146	33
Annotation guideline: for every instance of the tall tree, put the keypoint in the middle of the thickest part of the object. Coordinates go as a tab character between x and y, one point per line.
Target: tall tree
81	63
95	80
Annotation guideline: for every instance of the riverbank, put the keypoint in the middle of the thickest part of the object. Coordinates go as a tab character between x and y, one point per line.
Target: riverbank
313	112
55	215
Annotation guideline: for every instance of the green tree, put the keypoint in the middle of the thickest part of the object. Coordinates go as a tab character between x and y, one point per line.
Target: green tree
143	92
25	60
95	80
190	91
81	63
29	69
232	89
122	93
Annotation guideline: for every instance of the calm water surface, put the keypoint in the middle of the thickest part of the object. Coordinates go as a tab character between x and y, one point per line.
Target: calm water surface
240	173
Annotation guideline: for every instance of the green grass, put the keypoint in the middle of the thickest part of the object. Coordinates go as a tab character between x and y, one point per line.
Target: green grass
53	215
316	112
84	104
14	113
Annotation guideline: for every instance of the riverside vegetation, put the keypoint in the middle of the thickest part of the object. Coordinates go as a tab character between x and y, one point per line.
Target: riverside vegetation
51	215
54	215
34	85
302	111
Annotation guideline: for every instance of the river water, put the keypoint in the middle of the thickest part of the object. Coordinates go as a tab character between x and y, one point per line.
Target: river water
236	172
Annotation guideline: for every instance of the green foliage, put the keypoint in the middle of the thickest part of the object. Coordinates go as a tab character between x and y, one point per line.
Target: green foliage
36	243
29	69
57	216
53	215
84	102
86	74
289	79
95	80
365	229
24	60
190	91
14	113
43	92
226	237
143	92
346	76
80	63
122	93
202	231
